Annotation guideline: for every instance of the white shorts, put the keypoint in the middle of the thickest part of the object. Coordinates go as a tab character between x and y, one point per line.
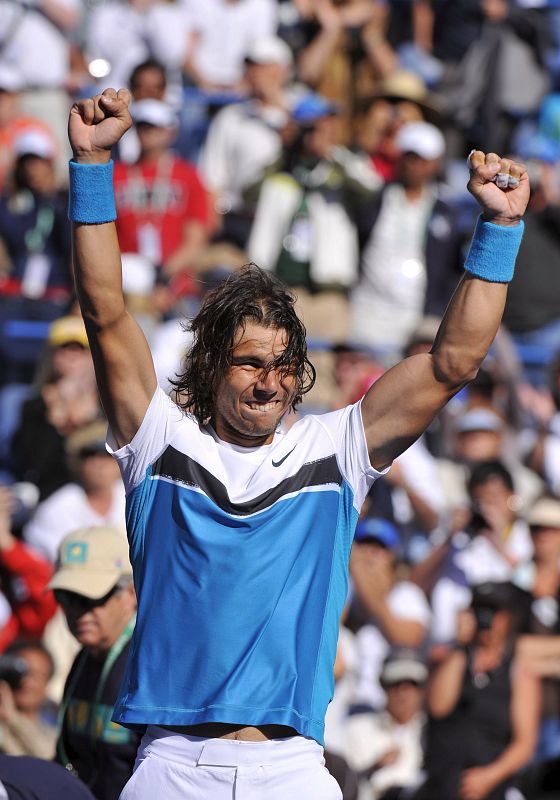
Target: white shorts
174	766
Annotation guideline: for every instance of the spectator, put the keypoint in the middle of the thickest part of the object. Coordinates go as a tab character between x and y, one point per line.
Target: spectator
403	278
96	499
65	401
305	226
25	606
162	204
543	585
25	671
27	778
36	41
245	138
482	434
490	544
13	122
37	283
93	584
484	705
386	747
396	612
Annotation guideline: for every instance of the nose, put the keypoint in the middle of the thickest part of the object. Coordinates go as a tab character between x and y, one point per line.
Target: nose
267	384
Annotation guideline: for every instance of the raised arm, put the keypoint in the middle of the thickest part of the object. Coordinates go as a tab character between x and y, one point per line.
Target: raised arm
123	364
399	406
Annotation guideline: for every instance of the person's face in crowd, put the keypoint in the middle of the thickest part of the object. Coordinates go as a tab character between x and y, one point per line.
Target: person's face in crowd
498	631
98	472
323	136
38	174
250	400
376	133
474	446
416	172
149	84
495	499
404	700
377	555
351	367
70	359
546	544
154	138
9	106
97	624
32	691
266	81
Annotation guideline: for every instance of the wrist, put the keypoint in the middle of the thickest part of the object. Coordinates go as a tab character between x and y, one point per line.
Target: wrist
91	156
499	219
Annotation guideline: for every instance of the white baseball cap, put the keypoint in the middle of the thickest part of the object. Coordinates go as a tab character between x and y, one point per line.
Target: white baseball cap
154	112
10	78
34	142
421	138
269	50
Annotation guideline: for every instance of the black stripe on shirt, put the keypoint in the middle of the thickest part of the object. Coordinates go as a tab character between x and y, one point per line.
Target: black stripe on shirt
179	467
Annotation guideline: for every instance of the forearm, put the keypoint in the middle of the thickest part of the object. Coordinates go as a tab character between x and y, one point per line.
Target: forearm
423	24
445	684
380	54
314	59
66	19
98	273
399	632
425	573
34	739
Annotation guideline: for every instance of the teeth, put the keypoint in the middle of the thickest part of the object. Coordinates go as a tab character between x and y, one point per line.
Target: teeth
262	406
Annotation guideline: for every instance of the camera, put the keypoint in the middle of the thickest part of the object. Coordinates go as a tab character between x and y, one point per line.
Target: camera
12	670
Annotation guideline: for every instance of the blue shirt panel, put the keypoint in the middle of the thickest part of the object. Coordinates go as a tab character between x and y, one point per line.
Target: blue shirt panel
238	616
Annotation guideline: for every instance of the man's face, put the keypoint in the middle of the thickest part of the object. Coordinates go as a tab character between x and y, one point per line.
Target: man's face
404	700
266	80
32	691
98	627
474	446
416	172
250	400
149	84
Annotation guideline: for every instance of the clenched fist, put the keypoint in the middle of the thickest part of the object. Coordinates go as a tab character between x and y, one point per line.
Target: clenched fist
500	185
96	124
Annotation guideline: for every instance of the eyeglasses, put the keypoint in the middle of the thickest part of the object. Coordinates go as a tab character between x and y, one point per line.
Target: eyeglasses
68	599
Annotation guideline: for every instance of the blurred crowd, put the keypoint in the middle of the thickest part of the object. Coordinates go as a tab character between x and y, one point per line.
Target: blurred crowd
325	140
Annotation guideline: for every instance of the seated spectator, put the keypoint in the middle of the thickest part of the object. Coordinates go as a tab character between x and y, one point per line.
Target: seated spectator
162	205
93	584
483	705
532	312
395	613
25	671
97	498
344	51
65	401
36	281
25	606
543	406
490	543
482	434
27	778
405	277
305	222
543	585
386	747
13	122
245	138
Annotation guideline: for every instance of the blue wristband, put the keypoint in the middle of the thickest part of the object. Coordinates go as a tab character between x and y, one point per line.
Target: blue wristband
493	251
91	198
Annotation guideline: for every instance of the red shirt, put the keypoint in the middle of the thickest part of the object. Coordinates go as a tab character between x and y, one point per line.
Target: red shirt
159	198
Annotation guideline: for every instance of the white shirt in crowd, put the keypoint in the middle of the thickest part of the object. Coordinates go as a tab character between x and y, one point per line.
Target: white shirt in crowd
393	284
407	602
67	510
224	30
34	44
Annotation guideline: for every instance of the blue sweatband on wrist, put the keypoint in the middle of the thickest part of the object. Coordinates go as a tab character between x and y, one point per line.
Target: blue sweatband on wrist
493	251
91	198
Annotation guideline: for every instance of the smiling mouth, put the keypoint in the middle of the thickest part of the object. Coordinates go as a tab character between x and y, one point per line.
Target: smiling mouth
271	405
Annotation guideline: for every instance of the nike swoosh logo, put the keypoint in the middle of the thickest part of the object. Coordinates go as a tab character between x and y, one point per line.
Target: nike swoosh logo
278	463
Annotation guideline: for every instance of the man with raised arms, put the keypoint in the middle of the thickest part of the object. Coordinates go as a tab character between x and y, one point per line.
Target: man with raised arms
240	534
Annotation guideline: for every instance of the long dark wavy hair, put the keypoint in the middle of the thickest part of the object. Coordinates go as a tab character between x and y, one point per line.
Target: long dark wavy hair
250	294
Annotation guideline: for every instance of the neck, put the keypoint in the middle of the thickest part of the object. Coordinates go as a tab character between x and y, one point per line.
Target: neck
151	156
100	499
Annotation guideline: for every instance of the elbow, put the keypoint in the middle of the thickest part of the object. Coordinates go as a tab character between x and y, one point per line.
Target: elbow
456	370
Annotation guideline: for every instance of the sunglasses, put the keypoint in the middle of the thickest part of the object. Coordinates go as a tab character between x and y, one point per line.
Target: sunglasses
68	599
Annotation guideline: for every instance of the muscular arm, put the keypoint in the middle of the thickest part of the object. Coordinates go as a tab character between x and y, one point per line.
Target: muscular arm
123	365
400	406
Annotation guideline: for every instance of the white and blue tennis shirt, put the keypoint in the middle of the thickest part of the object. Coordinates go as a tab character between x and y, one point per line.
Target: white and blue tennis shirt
240	559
